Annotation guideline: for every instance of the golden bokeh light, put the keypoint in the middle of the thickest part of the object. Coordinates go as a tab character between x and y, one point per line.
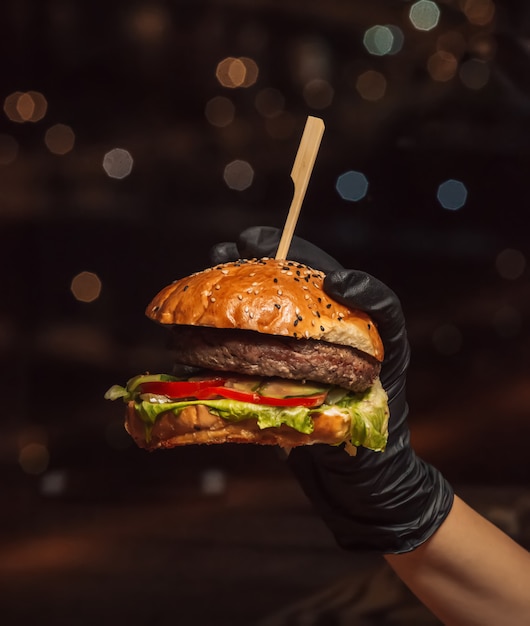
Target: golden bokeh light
148	23
86	286
34	458
8	149
442	66
235	72
29	106
478	12
371	85
59	139
220	111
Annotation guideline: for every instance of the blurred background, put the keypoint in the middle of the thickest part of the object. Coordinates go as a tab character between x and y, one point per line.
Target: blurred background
133	136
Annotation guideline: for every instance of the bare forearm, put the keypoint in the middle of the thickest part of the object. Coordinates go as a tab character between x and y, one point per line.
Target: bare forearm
469	572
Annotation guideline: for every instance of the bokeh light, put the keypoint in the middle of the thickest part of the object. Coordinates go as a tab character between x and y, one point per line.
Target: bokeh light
318	93
238	175
220	111
478	12
86	286
442	66
29	106
474	73
33	458
352	186
382	40
270	102
118	163
235	72
424	15
8	149
447	339
510	263
59	139
452	194
371	85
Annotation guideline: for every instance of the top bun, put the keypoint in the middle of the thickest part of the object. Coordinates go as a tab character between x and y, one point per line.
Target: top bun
269	296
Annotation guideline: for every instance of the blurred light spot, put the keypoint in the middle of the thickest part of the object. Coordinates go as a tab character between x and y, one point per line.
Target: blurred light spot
424	15
59	139
479	12
452	41
86	287
371	85
116	436
30	106
148	23
378	40
381	40
270	102
474	73
442	66
452	194
352	186
507	321
33	458
510	264
238	175
310	59
213	482
447	339
220	111
318	93
237	72
118	163
8	149
53	483
483	46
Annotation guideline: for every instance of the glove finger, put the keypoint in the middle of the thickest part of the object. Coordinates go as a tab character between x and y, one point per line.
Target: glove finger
362	291
263	241
224	252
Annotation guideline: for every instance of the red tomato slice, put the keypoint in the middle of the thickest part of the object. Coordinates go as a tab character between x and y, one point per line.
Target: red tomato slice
180	388
255	398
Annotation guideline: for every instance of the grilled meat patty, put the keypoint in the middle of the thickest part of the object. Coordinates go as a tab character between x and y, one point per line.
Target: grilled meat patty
254	353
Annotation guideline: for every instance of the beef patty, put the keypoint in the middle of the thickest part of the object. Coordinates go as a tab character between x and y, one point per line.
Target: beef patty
250	352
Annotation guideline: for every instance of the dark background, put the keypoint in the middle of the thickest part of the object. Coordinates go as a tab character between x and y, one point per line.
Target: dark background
97	529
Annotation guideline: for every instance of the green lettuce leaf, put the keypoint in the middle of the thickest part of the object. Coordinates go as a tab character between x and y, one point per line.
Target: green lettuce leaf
368	411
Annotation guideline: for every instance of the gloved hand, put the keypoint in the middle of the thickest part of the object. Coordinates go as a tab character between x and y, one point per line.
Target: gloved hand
385	502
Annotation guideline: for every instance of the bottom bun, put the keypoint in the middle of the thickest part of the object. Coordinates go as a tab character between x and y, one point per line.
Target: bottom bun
196	425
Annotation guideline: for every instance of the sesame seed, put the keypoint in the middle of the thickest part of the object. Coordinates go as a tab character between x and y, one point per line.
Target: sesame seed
225	272
186	288
212	299
322	328
239	296
278	306
280	292
296	322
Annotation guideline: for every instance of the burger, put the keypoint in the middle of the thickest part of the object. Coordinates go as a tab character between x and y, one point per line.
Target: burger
262	355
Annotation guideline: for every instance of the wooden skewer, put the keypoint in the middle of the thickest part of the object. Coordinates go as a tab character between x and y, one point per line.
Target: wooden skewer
300	174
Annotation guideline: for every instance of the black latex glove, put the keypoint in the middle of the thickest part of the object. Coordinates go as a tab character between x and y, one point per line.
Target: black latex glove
387	502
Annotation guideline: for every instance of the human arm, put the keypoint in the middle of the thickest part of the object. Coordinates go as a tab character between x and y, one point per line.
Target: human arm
469	572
